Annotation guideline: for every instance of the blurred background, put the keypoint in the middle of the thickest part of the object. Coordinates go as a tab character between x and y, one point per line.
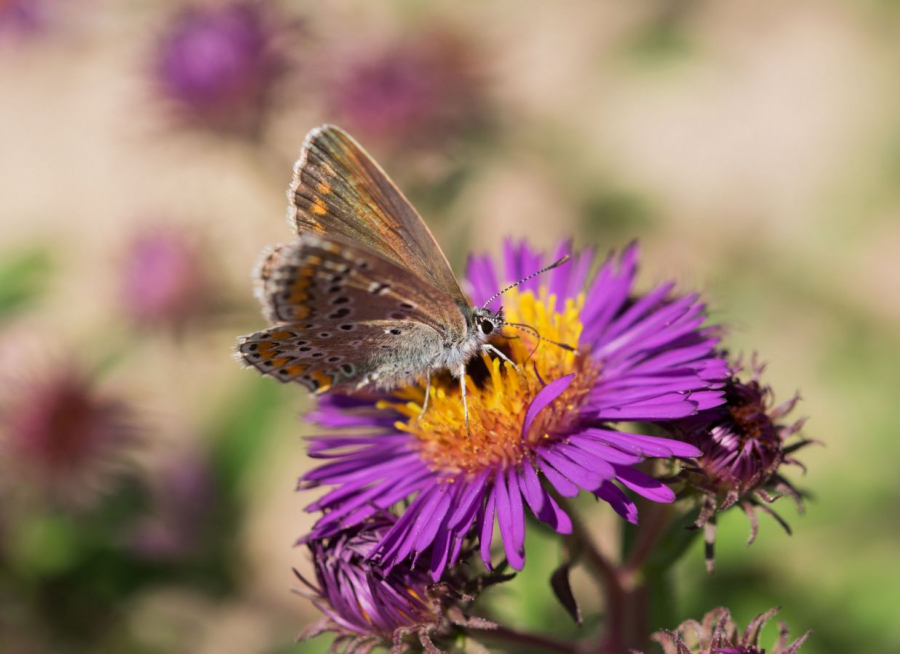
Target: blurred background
147	496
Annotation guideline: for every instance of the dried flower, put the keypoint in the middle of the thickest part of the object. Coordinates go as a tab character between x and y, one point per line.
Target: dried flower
62	439
367	606
218	65
637	359
744	446
718	634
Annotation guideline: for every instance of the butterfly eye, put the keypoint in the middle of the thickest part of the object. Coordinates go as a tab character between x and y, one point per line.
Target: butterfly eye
486	326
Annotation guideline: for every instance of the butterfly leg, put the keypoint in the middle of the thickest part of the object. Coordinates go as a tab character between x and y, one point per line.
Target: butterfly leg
462	386
487	347
427	395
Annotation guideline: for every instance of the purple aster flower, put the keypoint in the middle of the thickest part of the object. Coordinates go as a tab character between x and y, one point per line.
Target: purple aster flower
183	491
63	440
419	90
165	281
744	446
549	426
22	16
218	65
367	606
718	634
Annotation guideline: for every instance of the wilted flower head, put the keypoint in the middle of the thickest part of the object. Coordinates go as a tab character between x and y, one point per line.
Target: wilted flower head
418	90
367	606
62	439
638	358
165	281
218	65
744	446
718	634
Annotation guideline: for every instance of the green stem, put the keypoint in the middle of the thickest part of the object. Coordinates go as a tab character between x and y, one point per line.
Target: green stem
609	579
604	570
656	519
528	639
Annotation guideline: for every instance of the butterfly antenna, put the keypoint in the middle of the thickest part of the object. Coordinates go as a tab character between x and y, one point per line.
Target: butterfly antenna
555	264
536	333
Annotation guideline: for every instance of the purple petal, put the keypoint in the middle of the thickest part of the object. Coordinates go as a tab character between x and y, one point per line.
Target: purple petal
541	504
422	508
590	460
531	488
649	412
563	486
521	261
469	498
558	282
486	528
587	479
635	313
518	510
607	295
668	359
440	554
644	485
579	273
481	278
644	445
707	399
619	501
544	397
599	454
430	523
512	523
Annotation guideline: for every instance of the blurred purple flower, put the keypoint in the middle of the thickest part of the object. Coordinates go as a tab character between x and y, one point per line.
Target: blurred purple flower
367	607
62	439
165	281
218	65
420	91
22	17
744	447
718	634
646	358
183	494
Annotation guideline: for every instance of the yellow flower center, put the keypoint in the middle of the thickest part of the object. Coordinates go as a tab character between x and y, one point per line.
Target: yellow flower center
499	399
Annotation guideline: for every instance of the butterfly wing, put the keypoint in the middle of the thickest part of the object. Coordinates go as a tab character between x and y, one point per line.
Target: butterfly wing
346	317
339	190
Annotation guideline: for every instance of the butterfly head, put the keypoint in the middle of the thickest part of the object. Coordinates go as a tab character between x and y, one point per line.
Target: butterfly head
487	322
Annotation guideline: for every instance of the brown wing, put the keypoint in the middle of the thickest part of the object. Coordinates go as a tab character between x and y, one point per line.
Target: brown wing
346	316
325	356
339	190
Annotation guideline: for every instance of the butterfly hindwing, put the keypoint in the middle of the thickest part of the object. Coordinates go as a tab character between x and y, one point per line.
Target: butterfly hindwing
346	316
325	357
339	190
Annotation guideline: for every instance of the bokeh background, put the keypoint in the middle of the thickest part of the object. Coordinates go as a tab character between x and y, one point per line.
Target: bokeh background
752	147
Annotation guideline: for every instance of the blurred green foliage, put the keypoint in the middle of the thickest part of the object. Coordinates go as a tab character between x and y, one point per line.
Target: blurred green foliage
24	275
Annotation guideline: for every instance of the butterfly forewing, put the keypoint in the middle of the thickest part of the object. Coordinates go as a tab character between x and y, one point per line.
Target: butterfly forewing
339	190
346	317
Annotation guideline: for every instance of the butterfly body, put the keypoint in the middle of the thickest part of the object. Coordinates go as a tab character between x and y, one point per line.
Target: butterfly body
364	297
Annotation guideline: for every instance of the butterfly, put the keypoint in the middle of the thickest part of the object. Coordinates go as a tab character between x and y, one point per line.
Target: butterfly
364	297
